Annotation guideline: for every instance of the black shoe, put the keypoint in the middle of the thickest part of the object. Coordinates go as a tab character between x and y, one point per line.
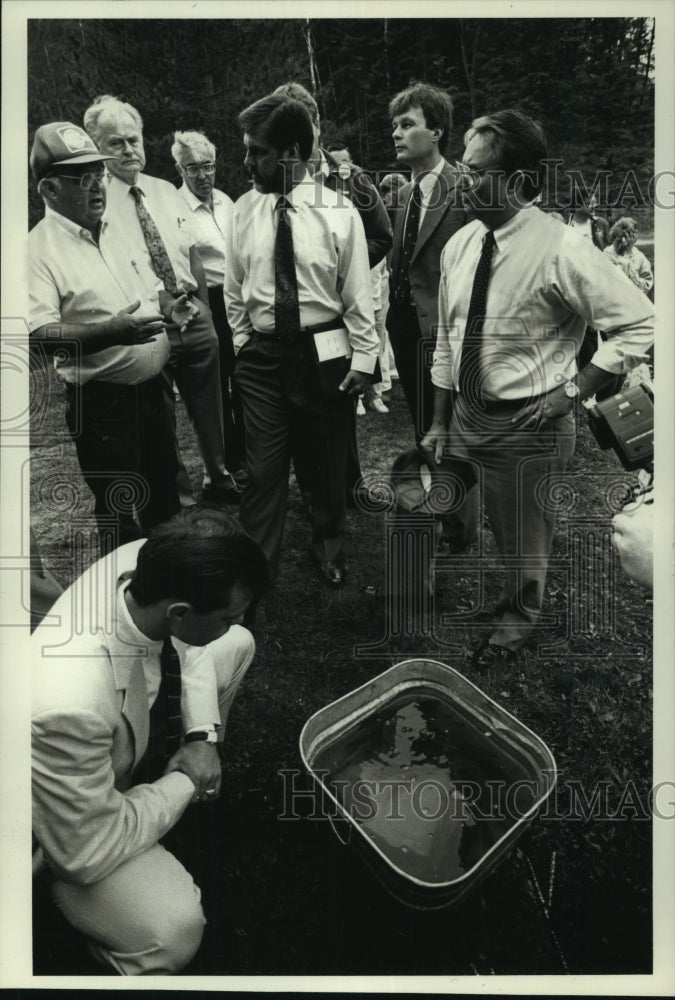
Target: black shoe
225	492
240	476
490	655
333	572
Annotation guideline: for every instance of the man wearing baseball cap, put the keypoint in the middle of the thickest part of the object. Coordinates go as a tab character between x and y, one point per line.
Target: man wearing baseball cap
90	313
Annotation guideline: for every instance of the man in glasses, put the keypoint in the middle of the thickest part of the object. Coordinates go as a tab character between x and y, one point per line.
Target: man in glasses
105	331
210	210
148	221
517	290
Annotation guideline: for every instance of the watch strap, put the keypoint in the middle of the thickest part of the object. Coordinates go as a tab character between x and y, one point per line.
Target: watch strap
207	735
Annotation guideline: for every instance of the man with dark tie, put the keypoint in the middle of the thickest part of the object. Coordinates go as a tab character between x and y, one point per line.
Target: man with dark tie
298	297
149	221
127	716
429	212
341	175
517	291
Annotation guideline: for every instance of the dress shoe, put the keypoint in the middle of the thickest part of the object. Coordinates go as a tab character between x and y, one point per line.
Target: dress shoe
490	655
227	491
240	476
377	405
333	572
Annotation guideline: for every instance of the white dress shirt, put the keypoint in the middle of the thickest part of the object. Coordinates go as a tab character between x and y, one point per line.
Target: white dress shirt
199	692
331	257
547	283
209	229
74	280
171	217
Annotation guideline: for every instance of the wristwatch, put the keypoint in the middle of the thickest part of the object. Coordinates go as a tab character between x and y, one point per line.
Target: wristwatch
571	390
210	736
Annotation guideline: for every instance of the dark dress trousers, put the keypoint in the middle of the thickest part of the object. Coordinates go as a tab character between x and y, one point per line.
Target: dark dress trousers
412	322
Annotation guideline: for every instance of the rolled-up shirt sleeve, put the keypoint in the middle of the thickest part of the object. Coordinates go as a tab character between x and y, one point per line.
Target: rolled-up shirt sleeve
602	295
447	336
237	314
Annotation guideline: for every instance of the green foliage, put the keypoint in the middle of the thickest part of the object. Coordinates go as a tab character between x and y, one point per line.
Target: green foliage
589	81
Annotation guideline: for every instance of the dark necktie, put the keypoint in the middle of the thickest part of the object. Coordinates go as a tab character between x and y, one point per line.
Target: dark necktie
469	366
412	227
286	305
159	258
166	717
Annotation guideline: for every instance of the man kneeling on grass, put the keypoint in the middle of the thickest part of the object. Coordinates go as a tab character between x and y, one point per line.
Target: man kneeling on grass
129	703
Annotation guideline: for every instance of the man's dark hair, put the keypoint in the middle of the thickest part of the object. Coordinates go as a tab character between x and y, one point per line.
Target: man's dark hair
519	144
337	147
435	104
296	92
198	556
284	122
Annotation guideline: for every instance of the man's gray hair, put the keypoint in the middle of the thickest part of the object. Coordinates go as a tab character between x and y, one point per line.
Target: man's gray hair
107	105
194	143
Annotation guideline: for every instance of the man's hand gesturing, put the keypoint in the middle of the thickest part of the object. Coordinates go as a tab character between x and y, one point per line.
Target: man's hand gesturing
130	329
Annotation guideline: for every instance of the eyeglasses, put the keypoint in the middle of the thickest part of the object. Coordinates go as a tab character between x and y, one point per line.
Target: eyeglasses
194	169
471	174
87	181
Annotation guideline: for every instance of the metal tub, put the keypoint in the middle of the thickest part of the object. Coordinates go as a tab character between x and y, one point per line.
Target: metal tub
494	733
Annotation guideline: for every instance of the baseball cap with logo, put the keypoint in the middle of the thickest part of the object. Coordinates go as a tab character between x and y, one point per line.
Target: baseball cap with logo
61	142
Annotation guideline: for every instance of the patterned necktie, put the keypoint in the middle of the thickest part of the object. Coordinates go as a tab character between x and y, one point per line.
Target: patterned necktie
286	305
469	366
169	697
412	226
159	258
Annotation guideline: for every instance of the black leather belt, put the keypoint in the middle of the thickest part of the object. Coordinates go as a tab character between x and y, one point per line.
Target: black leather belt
330	324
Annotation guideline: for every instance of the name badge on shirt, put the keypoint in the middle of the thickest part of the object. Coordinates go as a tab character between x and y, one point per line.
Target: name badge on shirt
331	344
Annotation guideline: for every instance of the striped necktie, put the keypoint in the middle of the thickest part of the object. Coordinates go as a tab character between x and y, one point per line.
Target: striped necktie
286	304
159	258
469	366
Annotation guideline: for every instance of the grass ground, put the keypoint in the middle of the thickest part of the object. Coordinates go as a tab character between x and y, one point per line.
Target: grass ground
283	896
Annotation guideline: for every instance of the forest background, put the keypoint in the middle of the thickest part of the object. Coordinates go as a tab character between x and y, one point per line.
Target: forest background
590	82
575	896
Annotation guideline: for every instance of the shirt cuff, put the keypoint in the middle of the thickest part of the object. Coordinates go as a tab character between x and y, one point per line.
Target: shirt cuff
615	360
239	340
441	377
363	362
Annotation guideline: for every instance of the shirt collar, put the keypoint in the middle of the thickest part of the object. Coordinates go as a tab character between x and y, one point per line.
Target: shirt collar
71	227
430	177
126	188
509	229
195	203
126	630
303	193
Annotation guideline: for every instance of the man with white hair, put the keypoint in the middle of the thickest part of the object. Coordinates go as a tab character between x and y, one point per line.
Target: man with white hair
147	219
195	159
